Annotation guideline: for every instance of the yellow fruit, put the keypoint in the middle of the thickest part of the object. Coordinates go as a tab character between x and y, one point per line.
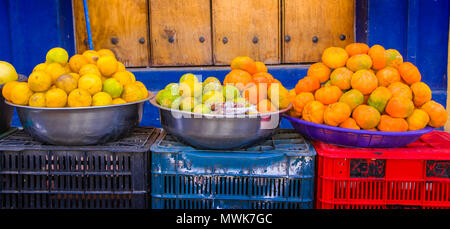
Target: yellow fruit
40	67
39	81
7	73
55	70
101	99
91	83
120	66
142	87
21	94
278	95
67	82
190	88
77	61
55	98
7	89
67	68
132	93
75	76
105	52
89	69
418	120
91	55
118	101
124	77
37	100
57	55
107	65
113	87
79	98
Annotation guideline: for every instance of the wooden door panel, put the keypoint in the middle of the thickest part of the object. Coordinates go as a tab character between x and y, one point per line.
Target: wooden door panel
246	28
119	25
310	26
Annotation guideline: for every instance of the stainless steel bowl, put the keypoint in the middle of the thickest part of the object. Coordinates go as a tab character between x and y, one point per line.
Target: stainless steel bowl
218	131
80	126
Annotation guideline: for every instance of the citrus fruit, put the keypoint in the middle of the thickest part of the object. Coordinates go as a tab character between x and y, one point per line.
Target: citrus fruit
39	81
132	93
300	101
244	63
265	106
67	82
165	98
211	80
91	55
230	93
202	108
188	76
113	87
107	65
388	123
55	97
350	123
356	48
365	81
409	73
400	89
393	58
124	77
387	75
143	88
105	52
120	66
212	97
174	88
21	93
101	99
279	96
7	89
313	112
91	83
77	61
74	75
55	70
366	116
320	71
328	95
263	77
334	57
212	86
418	120
118	101
57	55
399	107
421	93
7	73
89	69
239	78
336	113
378	55
260	67
255	93
379	98
188	103
37	100
358	62
436	112
79	98
307	84
190	88
341	77
40	67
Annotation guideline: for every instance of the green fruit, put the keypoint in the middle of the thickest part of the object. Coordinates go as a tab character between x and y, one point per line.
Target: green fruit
352	98
230	92
113	87
57	55
176	103
188	103
212	97
165	95
173	88
190	88
213	86
189	76
202	108
211	80
379	98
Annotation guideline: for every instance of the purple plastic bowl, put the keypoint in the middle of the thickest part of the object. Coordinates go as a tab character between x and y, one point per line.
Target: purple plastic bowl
356	138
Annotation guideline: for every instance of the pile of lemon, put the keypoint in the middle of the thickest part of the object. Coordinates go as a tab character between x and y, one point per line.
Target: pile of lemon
94	78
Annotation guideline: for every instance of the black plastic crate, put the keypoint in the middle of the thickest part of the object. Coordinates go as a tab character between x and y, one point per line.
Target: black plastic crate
34	175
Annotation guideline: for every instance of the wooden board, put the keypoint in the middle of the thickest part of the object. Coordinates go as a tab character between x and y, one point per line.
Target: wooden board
119	25
326	20
242	21
180	32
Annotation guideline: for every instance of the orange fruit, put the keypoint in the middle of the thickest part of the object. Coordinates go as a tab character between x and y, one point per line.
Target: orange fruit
300	101
400	89
263	77
107	65
37	100
255	93
89	69
418	120
239	78
336	113
55	98
421	93
244	63
265	106
358	62
372	129
409	73
352	98
365	81
260	67
313	112
366	116
67	82
20	94
39	81
124	77
388	123
378	55
278	95
356	48
132	92
55	70
328	95
320	71
7	88
387	75
399	107
350	123
393	58
341	77
91	55
334	57
105	52
77	61
436	112
379	98
79	98
307	84
91	83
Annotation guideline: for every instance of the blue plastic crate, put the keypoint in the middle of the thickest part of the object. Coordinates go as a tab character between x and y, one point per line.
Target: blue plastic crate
277	174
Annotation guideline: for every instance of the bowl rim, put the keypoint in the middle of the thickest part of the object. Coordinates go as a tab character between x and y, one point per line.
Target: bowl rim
150	95
425	130
278	112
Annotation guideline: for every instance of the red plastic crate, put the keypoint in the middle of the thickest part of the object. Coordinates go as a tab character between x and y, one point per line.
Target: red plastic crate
415	176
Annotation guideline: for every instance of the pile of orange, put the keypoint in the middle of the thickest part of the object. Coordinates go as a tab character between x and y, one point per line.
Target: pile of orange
257	86
369	88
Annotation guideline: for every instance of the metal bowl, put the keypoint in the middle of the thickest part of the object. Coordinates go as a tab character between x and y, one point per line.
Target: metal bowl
80	126
6	112
210	131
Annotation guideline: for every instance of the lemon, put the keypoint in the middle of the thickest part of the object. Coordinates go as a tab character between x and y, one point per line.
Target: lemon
55	70
55	97
132	93
79	98
89	69
21	94
190	87
105	52
107	65
142	87
202	108
212	97
188	76
124	77
7	89
7	73
91	83
67	82
188	103
91	55
40	67
101	99
57	55
118	101
120	66
211	80
113	87
39	81
37	100
77	61
75	76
